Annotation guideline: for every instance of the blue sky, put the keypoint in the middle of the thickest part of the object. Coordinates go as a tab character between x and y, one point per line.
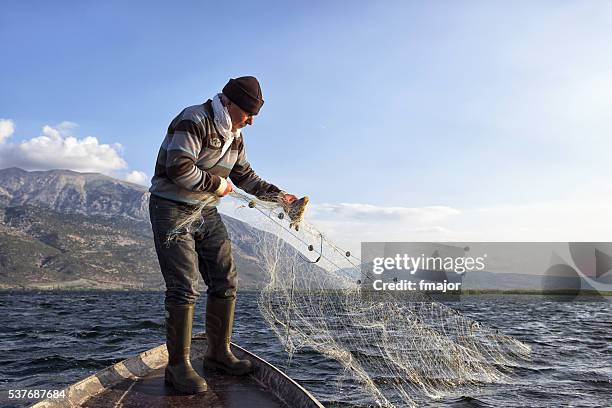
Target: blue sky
449	120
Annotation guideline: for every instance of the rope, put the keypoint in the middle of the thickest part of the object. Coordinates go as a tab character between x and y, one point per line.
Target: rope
248	200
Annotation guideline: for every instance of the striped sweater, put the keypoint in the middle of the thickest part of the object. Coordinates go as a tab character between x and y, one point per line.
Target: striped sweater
190	163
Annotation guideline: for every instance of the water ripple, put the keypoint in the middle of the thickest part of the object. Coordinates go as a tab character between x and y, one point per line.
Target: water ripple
52	339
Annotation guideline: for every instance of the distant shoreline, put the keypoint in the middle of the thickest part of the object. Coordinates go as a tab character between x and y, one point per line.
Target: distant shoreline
464	292
559	292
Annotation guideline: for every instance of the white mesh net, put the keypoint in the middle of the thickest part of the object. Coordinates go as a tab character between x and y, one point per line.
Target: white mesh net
313	299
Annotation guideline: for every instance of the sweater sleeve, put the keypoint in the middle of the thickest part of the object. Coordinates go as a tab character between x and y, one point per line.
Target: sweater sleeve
182	152
245	178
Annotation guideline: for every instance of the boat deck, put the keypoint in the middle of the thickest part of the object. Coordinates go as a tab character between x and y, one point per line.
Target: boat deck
223	391
139	382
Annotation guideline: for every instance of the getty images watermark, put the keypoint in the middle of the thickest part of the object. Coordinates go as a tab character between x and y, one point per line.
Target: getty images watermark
562	271
431	264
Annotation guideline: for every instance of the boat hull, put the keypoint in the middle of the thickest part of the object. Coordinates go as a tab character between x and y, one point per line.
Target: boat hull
139	382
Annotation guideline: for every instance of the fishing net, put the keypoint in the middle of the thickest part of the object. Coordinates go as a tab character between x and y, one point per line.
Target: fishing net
397	348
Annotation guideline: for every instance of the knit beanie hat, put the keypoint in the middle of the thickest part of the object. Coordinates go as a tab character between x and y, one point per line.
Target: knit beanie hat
246	93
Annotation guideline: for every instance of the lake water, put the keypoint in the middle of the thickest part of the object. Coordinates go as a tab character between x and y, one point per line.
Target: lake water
52	339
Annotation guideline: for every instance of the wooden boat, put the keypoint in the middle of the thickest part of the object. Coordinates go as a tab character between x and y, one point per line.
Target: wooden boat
139	382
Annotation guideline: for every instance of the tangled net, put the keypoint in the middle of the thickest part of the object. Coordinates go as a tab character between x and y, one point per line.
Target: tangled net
398	348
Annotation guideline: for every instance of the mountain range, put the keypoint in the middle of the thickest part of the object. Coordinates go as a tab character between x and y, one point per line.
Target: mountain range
69	230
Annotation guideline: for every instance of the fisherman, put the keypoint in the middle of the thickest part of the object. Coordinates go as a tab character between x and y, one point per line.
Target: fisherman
204	147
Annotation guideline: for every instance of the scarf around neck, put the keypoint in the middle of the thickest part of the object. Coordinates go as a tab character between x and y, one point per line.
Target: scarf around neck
223	121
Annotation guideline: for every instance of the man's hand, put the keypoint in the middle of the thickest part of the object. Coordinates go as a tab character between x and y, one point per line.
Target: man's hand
225	188
288	198
294	208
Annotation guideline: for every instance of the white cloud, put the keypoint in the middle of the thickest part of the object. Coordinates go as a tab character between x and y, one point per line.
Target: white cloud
586	218
56	148
7	128
137	177
349	224
66	127
378	213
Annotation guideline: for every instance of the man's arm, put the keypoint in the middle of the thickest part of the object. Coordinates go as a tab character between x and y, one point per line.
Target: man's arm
245	178
182	152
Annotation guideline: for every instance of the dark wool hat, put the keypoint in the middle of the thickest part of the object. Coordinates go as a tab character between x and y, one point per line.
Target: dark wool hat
246	93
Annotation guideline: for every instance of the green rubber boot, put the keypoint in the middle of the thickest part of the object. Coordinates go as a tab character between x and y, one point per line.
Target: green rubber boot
179	372
219	324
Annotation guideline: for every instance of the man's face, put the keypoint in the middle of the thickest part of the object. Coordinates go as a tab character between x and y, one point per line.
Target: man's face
239	117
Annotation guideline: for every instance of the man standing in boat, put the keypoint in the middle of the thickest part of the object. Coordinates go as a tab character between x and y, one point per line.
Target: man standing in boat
204	147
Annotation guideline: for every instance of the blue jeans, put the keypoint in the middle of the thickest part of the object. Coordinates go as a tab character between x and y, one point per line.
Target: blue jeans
204	248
